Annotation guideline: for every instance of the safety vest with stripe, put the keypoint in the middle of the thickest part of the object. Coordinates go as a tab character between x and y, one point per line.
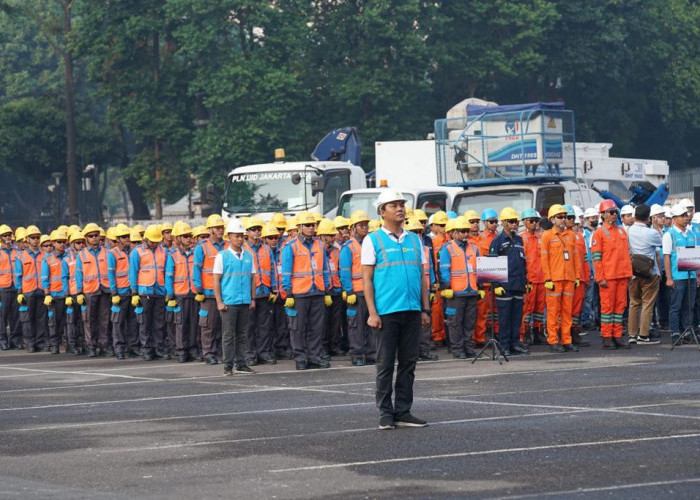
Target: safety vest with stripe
6	260
151	266
307	269
121	270
462	267
182	273
334	265
71	261
264	263
210	253
94	270
356	270
30	270
55	270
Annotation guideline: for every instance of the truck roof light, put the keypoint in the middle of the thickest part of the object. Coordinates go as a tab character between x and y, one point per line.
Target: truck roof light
279	155
383	183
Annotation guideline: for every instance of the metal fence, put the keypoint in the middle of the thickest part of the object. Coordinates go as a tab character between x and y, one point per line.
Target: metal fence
681	182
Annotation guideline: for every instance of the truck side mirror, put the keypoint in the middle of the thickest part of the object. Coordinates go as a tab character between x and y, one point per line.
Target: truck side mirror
296	179
317	184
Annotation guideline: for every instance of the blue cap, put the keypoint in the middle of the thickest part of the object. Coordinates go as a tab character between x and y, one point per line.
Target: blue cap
452	215
569	210
530	213
489	213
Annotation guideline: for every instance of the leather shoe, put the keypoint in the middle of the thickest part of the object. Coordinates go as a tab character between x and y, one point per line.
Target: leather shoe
428	356
556	348
4	346
92	352
520	349
212	361
459	355
608	344
369	362
302	365
570	348
321	364
621	342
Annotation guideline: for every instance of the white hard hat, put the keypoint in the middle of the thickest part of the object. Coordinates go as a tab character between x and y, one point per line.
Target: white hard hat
667	213
235	226
591	212
578	211
685	202
696	218
678	209
657	209
430	219
627	210
387	196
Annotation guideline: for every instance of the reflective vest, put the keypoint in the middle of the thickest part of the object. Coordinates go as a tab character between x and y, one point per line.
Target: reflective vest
263	261
533	257
334	265
151	266
121	270
6	261
462	267
210	253
307	269
611	253
426	267
72	260
182	273
678	239
30	270
585	270
94	270
356	270
55	271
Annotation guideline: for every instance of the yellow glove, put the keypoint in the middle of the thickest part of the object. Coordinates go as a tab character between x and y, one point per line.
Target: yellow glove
448	294
80	299
577	283
352	299
431	297
199	297
289	303
21	299
172	303
116	299
344	295
328	300
482	294
69	301
48	300
499	290
549	285
272	298
528	287
135	300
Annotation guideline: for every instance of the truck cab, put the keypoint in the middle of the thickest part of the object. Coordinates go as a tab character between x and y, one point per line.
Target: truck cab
430	200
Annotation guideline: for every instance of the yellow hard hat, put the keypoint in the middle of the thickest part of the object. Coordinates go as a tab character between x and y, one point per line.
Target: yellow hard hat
166	226
292	223
555	210
200	231
440	217
279	221
122	230
153	233
460	222
358	216
76	235
305	218
414	224
139	228
20	233
180	228
91	227
63	228
471	215
419	215
374	225
135	235
4	229
269	229
74	227
450	225
317	215
253	221
340	221
111	233
43	239
31	230
409	212
326	227
508	213
59	234
215	220
103	232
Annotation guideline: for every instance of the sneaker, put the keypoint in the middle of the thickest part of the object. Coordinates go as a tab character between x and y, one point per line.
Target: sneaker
228	371
246	370
408	420
633	339
645	340
386	423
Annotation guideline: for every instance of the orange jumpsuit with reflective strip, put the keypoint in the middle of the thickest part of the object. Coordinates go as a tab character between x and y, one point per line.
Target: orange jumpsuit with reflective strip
584	277
484	314
533	305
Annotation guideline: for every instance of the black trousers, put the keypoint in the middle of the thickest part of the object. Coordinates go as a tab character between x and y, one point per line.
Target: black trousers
398	340
56	321
125	332
333	323
282	345
234	326
360	336
260	331
151	323
10	317
34	327
186	326
306	328
96	320
461	322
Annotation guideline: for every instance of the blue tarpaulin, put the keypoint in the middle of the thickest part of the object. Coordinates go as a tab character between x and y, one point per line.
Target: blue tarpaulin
473	109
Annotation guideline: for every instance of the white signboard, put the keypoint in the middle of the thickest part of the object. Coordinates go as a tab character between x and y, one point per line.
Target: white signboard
688	258
492	269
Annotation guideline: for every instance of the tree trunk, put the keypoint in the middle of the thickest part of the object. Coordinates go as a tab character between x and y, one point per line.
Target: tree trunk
157	200
140	207
71	160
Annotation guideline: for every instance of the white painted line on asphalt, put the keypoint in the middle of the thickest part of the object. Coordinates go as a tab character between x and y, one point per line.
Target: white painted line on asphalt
607	488
97	374
609	442
77	386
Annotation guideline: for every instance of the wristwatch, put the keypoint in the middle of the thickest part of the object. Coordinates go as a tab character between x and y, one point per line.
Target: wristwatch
426	311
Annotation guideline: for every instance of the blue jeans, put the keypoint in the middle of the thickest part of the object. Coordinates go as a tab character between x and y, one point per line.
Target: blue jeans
681	311
591	306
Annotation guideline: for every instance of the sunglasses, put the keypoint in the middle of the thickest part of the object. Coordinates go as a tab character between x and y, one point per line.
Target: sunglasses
492	221
512	221
532	221
203	236
462	231
93	235
439	225
309	225
611	212
474	221
272	237
33	237
47	245
560	216
570	217
256	228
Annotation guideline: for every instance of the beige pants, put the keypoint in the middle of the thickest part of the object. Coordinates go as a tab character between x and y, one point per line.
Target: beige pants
643	294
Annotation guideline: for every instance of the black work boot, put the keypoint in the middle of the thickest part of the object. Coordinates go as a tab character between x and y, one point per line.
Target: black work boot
608	344
576	337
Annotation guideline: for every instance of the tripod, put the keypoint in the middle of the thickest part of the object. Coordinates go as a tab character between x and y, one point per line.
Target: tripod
496	348
689	332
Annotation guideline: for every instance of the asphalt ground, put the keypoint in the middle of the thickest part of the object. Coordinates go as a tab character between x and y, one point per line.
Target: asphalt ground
600	424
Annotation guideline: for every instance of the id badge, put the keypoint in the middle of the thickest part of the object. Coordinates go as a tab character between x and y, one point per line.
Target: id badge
313	265
566	255
469	268
331	266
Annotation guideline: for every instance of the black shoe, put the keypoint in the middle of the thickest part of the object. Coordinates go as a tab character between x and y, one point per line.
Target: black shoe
646	340
120	356
369	362
326	356
246	370
358	362
147	356
182	358
165	355
109	352
321	364
469	352
428	356
459	355
302	365
520	349
251	362
74	351
409	420
198	358
556	348
268	361
228	371
4	346
54	350
570	347
506	352
133	354
480	345
212	361
18	347
386	423
31	348
92	352
608	344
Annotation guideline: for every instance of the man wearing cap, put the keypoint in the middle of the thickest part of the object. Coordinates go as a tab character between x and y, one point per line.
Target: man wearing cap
54	292
30	296
234	289
362	343
681	283
534	301
613	270
202	277
397	300
627	217
147	281
124	326
305	280
9	319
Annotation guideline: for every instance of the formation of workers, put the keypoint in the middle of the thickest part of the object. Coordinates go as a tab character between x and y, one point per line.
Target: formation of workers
253	292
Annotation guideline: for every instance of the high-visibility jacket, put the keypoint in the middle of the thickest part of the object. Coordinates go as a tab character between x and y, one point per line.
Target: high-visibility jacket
438	241
182	265
151	266
333	257
6	261
119	275
351	267
559	256
52	268
585	274
204	272
27	268
70	284
611	253
533	257
458	267
264	262
307	268
94	270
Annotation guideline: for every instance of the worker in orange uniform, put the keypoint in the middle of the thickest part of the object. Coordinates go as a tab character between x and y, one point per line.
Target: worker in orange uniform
52	283
123	317
30	296
533	306
437	223
74	324
613	270
484	314
561	269
584	277
9	321
333	320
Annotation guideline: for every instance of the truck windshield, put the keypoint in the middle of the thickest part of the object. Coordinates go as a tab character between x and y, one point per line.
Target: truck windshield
267	192
364	201
519	199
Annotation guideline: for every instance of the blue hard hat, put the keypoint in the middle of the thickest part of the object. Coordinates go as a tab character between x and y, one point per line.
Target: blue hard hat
569	210
489	213
530	213
452	215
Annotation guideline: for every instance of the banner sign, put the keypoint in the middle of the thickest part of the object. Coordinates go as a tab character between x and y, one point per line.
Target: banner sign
688	258
492	269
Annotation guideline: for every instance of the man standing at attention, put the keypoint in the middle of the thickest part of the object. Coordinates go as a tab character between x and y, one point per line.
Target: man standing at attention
397	300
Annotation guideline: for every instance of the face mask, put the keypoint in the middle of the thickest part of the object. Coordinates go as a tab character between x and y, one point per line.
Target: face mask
594	223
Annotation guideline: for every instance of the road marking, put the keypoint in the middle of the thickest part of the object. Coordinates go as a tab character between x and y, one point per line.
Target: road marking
78	386
607	488
97	374
489	452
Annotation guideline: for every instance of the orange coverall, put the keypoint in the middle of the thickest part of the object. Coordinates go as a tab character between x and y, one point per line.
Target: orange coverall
438	315
533	306
584	277
484	314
